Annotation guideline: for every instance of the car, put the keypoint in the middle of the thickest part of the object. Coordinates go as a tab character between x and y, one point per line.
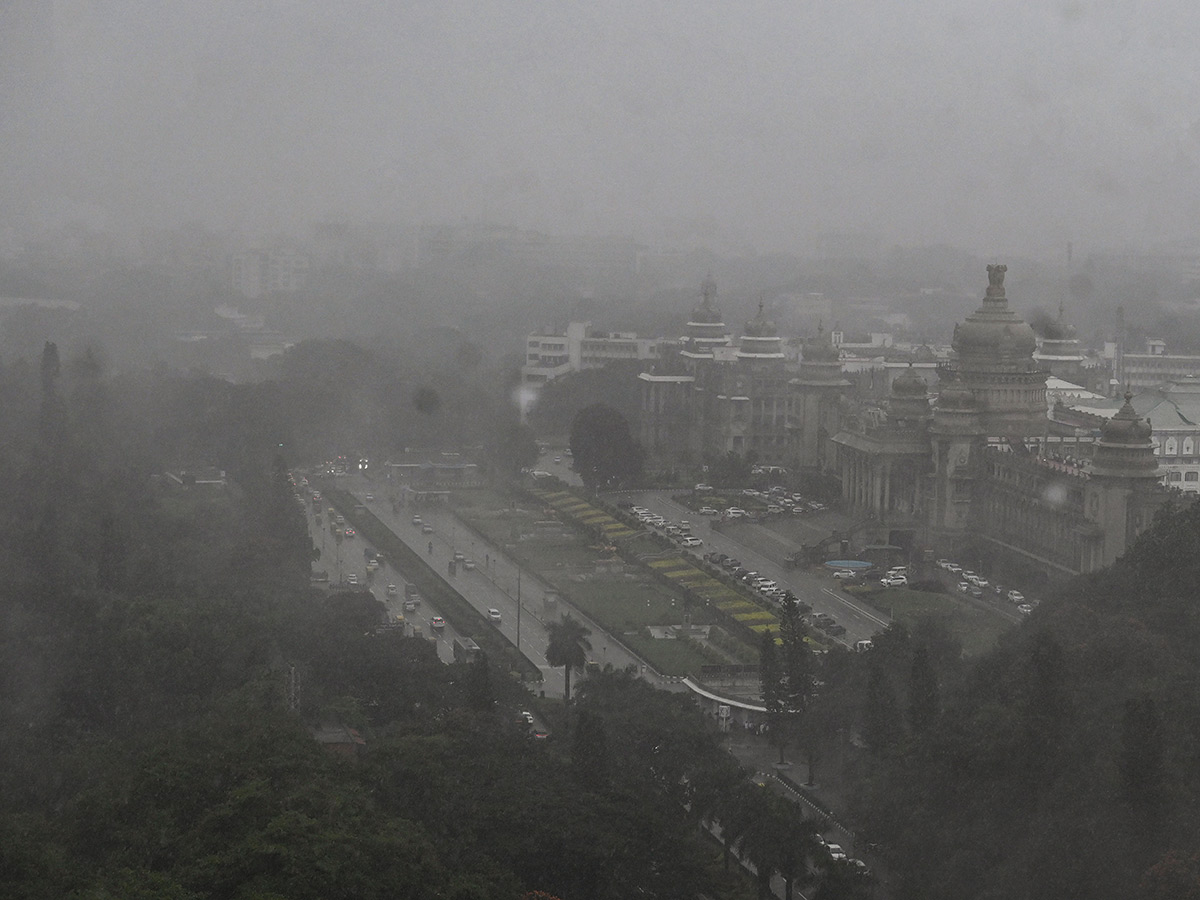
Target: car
1016	597
750	492
416	520
352	579
372	565
860	868
735	512
469	564
370	498
494	614
893	580
410	605
964	587
836	851
426	529
836	629
774	510
731	564
638	510
943	564
691	542
392	590
845	575
459	556
954	568
980	581
349	532
703	488
1024	609
707	511
540	734
437	623
527	717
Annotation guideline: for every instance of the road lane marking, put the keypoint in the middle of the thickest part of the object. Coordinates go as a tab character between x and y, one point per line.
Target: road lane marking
855	607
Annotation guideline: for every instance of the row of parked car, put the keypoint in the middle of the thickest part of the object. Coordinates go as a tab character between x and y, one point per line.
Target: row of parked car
681	532
978	586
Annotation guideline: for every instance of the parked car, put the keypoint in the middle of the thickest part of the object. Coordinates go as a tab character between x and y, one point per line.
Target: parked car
416	520
1016	597
426	529
707	511
494	614
845	574
836	851
691	542
893	580
468	564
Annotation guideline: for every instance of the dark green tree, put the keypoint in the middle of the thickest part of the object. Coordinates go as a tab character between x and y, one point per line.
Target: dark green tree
603	448
568	647
882	726
923	695
480	695
797	675
1142	751
770	679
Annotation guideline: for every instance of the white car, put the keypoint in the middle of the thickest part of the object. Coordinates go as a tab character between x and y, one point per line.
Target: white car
494	614
836	851
638	510
691	542
735	512
707	511
893	580
1016	597
845	575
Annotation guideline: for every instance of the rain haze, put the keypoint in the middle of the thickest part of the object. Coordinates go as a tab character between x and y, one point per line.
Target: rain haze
998	127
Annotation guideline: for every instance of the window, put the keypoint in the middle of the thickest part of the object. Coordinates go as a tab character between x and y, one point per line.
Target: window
1189	446
1173	476
1171	447
1191	476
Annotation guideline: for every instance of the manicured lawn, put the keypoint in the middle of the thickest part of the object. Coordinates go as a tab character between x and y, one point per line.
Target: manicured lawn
669	657
978	629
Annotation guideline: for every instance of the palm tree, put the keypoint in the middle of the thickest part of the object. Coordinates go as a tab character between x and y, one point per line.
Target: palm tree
568	648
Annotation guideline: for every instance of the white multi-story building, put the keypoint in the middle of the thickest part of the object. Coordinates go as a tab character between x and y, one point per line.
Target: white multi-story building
257	272
550	355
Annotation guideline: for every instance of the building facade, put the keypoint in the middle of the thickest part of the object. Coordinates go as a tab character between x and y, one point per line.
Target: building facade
963	476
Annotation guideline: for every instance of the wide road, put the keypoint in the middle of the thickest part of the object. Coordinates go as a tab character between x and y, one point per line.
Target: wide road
495	583
345	558
761	550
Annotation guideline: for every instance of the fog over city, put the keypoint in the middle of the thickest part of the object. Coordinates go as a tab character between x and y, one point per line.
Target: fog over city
1010	127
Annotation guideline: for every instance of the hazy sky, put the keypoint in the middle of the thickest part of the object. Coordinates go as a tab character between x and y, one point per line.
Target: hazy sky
1003	126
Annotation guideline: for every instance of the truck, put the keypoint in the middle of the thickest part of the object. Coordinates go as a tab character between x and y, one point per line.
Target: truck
465	650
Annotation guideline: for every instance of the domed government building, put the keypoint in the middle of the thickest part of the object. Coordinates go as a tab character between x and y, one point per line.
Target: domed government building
974	468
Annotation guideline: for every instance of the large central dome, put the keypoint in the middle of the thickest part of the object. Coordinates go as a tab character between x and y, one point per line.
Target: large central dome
994	331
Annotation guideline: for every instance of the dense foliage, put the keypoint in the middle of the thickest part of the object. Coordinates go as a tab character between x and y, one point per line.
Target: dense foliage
1065	764
166	665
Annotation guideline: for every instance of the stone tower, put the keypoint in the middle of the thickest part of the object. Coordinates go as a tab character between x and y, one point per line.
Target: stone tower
1123	490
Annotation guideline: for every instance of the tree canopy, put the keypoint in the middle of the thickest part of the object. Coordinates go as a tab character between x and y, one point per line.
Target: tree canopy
604	452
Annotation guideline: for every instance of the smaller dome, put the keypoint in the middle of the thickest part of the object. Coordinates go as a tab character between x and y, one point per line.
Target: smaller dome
1126	427
909	384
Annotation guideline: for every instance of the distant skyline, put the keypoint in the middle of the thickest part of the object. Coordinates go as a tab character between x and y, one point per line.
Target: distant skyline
1003	128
